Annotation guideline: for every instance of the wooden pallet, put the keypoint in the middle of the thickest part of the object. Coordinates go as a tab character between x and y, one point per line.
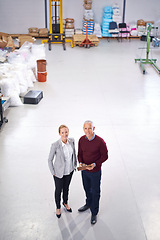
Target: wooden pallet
78	38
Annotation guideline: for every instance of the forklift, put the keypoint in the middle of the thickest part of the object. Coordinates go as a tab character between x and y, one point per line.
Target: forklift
56	34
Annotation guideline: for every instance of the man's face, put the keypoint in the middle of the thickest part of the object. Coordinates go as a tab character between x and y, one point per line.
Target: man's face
88	130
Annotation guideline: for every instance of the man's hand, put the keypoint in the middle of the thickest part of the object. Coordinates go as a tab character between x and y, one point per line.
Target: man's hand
90	167
83	166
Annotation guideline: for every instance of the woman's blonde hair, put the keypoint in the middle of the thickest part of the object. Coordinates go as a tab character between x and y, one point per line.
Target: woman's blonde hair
62	126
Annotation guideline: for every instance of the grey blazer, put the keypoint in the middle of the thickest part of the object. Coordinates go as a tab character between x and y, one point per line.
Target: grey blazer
56	160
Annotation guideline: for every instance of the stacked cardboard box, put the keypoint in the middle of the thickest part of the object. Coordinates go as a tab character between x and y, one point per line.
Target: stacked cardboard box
6	42
25	38
3	39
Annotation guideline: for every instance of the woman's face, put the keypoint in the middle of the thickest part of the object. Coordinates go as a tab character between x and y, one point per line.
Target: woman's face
64	132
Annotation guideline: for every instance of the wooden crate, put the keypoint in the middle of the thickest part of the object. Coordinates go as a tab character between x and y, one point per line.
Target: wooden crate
78	38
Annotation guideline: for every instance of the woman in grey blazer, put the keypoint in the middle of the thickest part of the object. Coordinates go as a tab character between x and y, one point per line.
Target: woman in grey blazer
62	163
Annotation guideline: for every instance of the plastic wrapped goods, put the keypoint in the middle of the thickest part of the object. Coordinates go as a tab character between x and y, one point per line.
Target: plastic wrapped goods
87	6
88	14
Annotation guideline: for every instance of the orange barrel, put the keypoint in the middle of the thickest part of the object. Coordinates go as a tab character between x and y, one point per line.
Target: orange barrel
41	65
42	76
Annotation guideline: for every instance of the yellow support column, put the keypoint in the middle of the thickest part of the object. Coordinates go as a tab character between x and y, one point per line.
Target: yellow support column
50	17
61	17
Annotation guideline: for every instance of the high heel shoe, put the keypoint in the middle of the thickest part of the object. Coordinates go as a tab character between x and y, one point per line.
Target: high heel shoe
68	210
58	215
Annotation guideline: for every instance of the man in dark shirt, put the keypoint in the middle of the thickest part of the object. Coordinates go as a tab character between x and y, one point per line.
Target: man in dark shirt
92	151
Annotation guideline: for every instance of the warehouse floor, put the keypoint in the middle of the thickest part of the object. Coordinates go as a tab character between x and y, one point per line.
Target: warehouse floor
105	85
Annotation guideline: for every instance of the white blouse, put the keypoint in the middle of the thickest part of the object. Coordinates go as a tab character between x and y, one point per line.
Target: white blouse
68	152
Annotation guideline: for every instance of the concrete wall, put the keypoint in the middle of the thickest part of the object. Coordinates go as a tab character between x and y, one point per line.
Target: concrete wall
18	15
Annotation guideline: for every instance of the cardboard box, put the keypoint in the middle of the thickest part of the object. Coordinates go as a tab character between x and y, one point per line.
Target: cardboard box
23	39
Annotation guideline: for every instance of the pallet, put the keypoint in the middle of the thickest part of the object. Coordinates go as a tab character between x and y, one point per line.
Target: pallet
78	38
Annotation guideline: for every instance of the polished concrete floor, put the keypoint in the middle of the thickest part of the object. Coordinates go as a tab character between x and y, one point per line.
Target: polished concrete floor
103	84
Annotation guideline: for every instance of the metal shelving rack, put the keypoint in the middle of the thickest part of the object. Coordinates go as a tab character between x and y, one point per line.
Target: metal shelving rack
3	107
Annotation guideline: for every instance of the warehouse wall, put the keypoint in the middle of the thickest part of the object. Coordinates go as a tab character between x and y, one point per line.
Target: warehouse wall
18	15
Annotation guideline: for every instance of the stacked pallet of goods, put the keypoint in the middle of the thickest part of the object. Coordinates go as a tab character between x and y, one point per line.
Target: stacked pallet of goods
118	19
141	27
88	19
116	14
69	27
107	18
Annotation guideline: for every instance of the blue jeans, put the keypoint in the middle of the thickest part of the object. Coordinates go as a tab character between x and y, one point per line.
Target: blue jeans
91	183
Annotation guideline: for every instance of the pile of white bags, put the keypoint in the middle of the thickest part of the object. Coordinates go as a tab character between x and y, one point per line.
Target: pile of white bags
19	73
97	30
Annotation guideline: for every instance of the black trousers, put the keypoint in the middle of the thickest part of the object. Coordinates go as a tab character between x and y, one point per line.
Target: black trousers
62	186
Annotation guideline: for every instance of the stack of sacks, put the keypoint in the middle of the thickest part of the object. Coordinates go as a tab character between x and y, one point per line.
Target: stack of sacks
141	30
88	14
116	14
125	34
97	30
69	27
78	31
87	4
33	31
107	18
43	32
113	30
89	25
153	31
9	84
88	17
3	55
18	74
141	27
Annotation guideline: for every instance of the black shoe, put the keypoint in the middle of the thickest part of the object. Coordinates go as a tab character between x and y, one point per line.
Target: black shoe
84	208
93	219
58	215
68	210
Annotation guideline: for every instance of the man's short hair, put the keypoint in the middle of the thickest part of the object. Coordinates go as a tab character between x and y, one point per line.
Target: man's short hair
89	121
